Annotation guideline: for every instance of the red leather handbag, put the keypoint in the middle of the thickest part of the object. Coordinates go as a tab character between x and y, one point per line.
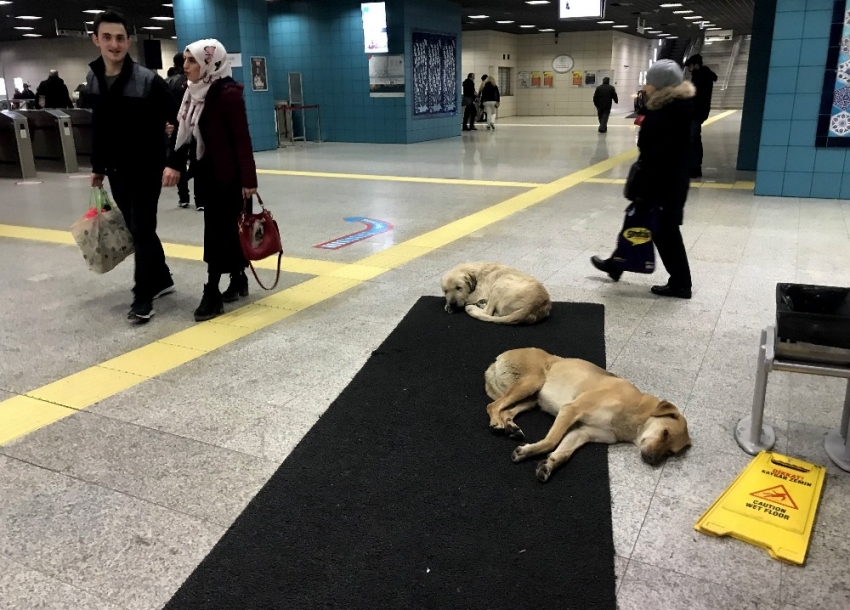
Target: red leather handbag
259	237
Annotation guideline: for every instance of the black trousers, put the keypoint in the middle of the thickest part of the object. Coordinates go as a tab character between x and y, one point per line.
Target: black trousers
603	114
469	112
696	147
222	209
137	195
183	187
671	249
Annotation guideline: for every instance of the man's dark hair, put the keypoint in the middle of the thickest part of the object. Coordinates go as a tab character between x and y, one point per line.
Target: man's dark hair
470	75
606	81
694	60
483	77
110	16
179	60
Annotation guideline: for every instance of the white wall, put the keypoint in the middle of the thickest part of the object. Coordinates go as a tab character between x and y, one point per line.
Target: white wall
486	52
33	59
625	55
630	56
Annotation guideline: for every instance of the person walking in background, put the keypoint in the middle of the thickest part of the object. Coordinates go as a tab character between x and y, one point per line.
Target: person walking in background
661	180
213	125
130	109
603	98
491	99
469	108
703	79
177	84
53	93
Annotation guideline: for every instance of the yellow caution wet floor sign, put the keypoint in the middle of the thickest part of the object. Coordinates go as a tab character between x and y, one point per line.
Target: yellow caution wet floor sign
771	504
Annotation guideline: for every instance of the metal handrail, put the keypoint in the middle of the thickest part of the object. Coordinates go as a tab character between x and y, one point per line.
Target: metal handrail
736	49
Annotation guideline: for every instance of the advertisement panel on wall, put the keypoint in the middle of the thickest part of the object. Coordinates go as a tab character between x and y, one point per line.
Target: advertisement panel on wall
375	37
386	76
582	9
833	128
435	74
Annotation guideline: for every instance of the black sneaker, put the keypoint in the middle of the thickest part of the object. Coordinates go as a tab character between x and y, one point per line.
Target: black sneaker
211	304
200	208
238	288
183	204
165	290
141	311
605	264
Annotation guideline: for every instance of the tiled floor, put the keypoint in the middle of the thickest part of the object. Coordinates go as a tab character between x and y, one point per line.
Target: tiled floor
113	507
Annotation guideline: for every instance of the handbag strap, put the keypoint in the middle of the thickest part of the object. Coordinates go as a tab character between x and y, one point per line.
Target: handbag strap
247	200
277	277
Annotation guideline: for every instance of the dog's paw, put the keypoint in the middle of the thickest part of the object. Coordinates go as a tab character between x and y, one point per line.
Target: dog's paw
513	431
497	429
519	454
543	471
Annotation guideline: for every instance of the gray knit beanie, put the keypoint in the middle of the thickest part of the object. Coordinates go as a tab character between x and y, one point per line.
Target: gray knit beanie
664	73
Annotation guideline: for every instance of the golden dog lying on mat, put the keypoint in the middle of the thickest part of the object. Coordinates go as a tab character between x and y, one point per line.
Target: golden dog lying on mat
495	293
590	405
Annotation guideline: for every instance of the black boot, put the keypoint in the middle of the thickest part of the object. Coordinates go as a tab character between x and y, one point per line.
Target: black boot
605	264
211	304
238	288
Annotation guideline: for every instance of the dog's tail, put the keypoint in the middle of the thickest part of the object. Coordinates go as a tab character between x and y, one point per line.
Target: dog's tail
525	315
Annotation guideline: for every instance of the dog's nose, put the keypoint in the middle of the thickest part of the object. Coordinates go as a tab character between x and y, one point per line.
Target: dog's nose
648	458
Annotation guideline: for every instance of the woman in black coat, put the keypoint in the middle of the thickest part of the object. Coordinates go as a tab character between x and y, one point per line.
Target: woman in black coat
663	179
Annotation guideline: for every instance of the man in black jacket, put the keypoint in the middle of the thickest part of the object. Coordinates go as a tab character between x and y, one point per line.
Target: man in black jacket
53	93
703	79
469	108
130	108
603	98
177	84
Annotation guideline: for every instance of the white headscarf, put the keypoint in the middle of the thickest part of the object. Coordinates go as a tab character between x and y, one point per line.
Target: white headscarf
212	57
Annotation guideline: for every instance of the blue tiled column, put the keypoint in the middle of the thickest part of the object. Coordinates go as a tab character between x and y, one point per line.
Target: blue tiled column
324	42
242	26
789	164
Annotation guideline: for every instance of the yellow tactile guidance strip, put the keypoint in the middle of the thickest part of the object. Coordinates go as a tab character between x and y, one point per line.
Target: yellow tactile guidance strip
26	413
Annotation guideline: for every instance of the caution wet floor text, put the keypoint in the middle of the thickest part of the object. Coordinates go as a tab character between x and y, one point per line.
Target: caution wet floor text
771	504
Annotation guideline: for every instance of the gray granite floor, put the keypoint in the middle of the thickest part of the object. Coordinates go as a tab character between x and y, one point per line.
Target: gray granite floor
113	507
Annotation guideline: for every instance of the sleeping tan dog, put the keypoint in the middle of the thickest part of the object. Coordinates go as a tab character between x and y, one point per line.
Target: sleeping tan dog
590	405
495	293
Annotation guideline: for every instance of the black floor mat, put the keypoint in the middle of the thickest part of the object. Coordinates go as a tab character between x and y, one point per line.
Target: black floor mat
401	498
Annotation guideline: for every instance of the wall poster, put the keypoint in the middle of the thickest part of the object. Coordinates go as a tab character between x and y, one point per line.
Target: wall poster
435	74
549	79
259	76
524	79
578	78
386	76
834	116
537	79
590	79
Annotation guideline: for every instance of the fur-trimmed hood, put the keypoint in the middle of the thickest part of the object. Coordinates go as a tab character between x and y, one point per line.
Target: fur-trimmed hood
683	91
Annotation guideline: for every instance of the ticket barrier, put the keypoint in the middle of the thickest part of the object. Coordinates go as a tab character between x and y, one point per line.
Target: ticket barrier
16	156
52	140
81	127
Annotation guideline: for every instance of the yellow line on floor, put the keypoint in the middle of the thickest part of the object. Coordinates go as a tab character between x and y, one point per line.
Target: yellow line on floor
380	178
743	185
307	266
42	406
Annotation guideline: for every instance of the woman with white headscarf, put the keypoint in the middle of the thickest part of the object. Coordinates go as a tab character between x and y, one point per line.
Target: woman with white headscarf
213	134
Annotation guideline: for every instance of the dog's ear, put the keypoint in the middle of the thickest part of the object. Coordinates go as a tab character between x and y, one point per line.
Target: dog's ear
666	409
470	281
